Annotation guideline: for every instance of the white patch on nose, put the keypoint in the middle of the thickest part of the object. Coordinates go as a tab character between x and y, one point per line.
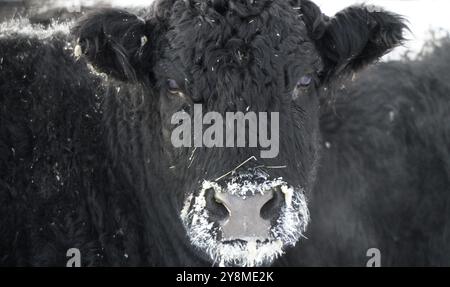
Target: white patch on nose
288	194
204	234
185	210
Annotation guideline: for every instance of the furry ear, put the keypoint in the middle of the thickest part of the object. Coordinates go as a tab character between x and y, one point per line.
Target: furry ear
354	37
114	42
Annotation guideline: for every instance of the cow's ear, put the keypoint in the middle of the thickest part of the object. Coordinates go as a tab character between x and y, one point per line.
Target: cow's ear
115	42
354	37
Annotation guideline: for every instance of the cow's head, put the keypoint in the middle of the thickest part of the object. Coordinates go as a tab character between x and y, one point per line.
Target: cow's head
263	56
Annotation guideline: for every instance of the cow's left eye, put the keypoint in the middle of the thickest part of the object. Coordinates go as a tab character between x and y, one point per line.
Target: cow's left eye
304	81
173	86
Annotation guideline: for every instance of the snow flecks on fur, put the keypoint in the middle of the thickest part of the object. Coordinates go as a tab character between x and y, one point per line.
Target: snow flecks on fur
243	187
185	210
23	27
77	52
204	234
294	219
144	41
288	193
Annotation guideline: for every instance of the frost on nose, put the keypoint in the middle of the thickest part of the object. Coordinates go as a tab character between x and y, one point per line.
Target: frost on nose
245	221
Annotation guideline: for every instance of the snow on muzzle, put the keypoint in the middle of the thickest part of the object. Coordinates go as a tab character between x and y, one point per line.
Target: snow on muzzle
246	221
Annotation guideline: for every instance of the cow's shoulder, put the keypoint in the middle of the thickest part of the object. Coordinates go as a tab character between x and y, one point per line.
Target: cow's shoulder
47	97
52	151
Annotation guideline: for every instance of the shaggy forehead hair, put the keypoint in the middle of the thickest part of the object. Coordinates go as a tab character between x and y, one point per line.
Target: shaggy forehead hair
238	52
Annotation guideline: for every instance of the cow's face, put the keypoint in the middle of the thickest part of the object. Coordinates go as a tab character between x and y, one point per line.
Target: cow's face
239	207
242	202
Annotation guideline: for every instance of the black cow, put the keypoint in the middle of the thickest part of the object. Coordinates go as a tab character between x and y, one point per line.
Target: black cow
87	159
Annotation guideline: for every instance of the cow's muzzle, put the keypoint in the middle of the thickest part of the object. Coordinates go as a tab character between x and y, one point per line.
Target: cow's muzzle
245	207
245	220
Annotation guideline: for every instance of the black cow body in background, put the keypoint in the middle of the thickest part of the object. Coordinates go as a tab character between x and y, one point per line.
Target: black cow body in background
54	167
61	179
385	167
383	178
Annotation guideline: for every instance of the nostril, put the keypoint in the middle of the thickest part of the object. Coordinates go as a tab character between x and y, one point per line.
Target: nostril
217	211
272	208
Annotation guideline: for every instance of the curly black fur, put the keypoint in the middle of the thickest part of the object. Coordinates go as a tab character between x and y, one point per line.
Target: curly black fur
84	161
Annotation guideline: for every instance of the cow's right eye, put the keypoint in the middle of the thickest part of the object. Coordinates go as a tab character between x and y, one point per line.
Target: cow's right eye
304	81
